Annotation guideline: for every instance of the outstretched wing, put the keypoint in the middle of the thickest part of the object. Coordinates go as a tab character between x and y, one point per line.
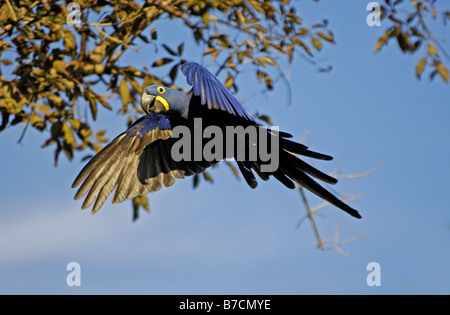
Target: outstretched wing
136	162
211	91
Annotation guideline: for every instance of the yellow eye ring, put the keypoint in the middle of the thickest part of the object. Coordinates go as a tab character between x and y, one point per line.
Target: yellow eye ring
161	90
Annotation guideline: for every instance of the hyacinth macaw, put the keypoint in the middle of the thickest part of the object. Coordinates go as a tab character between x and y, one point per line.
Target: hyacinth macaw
139	160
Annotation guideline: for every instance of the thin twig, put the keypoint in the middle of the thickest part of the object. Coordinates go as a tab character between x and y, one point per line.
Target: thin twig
337	244
337	173
288	84
310	216
430	34
234	51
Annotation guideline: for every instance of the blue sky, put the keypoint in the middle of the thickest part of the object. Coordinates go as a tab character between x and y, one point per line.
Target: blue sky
228	239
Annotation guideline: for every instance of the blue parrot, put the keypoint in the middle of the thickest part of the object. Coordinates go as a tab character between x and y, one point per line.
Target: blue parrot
139	160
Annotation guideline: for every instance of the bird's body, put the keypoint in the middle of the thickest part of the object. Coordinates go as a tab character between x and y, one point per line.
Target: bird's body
142	158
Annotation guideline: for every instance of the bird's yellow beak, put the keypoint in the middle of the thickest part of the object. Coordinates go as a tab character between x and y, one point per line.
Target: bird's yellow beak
162	101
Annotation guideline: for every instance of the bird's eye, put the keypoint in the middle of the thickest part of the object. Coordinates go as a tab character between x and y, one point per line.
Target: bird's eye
161	90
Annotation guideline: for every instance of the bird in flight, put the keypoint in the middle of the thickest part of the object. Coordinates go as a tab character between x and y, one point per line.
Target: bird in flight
141	159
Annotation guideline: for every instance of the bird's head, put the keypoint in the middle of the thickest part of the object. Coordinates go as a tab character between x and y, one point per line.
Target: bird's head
155	99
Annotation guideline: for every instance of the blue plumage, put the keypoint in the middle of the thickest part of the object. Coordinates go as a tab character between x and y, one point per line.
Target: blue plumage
140	160
211	91
149	123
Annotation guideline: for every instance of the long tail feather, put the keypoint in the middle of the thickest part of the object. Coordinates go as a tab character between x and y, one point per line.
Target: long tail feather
304	180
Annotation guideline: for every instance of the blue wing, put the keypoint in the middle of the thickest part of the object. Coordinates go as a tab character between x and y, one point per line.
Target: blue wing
136	162
211	91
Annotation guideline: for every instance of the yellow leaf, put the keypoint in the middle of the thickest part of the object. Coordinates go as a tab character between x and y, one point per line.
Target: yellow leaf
305	47
216	53
382	41
68	84
207	176
124	92
76	123
240	17
37	121
432	50
317	43
257	6
43	109
209	51
229	82
69	40
421	66
38	72
100	136
443	71
59	65
99	68
68	136
141	201
161	62
205	18
327	37
303	31
85	133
